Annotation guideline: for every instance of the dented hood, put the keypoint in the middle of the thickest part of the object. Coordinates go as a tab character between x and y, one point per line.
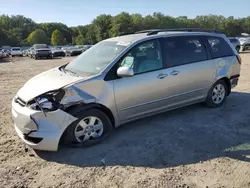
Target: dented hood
47	81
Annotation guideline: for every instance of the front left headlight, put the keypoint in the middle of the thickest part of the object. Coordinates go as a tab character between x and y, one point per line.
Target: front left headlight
49	101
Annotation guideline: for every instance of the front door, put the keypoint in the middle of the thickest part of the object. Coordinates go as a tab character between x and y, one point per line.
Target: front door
141	94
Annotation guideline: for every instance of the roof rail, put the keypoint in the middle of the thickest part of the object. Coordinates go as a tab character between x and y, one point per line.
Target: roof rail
156	31
146	31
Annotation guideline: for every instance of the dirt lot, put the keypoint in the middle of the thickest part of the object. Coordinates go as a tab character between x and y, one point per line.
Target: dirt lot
190	147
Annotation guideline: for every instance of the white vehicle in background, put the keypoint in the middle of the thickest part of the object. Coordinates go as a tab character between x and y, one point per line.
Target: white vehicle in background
246	44
4	53
16	51
235	42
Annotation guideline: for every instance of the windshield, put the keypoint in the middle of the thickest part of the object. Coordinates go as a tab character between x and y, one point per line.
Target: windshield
73	48
233	40
37	46
95	59
16	49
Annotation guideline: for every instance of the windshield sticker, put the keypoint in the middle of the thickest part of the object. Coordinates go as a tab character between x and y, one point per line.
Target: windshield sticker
122	43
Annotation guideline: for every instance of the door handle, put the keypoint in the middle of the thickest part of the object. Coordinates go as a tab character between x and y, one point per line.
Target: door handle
174	73
161	76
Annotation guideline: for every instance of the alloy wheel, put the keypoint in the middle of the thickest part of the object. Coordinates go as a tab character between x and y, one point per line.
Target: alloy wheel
218	93
88	128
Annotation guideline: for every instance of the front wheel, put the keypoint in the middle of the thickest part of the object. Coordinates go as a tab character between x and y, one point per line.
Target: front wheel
217	94
90	129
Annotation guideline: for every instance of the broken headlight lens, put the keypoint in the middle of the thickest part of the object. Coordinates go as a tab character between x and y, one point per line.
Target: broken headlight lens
49	101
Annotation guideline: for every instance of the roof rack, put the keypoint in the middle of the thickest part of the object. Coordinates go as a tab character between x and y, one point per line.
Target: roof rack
156	31
146	31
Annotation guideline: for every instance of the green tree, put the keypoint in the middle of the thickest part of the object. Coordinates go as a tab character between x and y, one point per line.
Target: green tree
121	24
48	28
102	25
15	30
57	38
37	37
80	40
138	22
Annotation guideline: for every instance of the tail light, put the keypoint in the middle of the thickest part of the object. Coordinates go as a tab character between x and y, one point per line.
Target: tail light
239	58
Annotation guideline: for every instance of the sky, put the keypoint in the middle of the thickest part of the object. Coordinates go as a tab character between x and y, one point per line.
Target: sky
81	12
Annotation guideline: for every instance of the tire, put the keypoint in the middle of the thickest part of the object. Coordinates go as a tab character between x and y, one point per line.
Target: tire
213	101
69	137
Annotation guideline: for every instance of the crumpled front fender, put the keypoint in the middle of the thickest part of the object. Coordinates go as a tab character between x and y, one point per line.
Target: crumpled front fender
74	95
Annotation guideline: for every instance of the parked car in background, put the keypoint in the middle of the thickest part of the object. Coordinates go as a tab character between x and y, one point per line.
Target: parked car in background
235	42
245	44
25	52
122	79
29	52
16	51
72	51
58	52
83	49
1	53
86	47
79	46
40	51
6	53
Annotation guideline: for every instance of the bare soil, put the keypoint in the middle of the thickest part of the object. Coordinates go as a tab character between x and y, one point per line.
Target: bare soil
190	147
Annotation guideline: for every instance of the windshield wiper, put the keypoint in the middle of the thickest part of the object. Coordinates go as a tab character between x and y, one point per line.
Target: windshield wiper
67	70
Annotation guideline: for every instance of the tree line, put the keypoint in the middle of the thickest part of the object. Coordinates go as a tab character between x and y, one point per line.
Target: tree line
21	31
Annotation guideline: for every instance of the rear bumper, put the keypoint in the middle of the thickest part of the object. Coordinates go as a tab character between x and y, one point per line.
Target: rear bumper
37	130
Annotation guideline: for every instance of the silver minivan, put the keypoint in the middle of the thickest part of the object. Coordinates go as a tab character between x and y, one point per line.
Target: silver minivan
122	79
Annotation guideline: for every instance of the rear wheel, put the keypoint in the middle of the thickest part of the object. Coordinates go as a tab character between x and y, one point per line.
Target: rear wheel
217	94
90	129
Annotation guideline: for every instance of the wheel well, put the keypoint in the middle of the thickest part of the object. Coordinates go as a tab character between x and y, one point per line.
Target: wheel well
107	112
96	106
227	81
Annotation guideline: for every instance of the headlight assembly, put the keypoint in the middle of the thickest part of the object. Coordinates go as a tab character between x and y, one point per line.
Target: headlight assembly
47	102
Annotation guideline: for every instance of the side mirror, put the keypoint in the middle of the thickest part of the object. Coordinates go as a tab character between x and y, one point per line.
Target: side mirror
125	72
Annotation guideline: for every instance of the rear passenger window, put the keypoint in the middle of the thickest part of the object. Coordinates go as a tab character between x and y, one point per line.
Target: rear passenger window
184	50
219	47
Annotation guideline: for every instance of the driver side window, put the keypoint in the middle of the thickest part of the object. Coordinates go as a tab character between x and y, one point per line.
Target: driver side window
144	57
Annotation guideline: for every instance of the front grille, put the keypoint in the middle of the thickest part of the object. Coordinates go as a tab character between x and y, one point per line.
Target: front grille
20	101
43	50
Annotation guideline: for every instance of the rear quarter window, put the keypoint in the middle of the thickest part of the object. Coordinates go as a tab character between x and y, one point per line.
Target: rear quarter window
219	47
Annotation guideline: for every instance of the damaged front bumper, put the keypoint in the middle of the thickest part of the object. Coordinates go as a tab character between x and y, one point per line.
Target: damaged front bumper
38	130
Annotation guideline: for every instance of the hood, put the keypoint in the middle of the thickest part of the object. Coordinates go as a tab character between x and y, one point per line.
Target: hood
42	49
47	81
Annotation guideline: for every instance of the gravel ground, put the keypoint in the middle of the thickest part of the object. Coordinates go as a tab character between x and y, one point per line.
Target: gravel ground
190	147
